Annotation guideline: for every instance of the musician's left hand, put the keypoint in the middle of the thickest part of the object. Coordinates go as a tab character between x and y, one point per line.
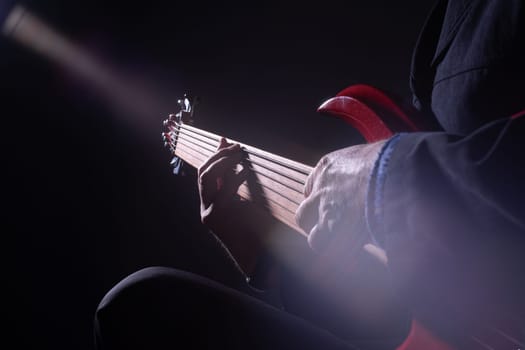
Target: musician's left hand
239	224
335	192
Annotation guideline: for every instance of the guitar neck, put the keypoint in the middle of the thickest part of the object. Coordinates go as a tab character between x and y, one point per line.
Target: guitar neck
274	183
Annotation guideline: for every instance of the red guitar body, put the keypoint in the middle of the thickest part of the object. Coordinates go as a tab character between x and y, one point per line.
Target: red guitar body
377	116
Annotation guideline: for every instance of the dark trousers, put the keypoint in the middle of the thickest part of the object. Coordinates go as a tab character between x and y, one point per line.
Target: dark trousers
166	308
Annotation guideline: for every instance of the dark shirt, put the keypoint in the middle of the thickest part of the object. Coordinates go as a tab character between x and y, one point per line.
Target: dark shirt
468	64
449	206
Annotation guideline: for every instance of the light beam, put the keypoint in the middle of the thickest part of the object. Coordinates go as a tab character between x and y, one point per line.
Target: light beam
125	93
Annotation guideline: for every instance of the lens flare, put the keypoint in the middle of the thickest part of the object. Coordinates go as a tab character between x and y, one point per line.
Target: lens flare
130	95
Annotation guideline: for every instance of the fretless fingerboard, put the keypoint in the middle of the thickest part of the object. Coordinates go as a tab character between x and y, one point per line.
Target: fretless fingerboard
274	183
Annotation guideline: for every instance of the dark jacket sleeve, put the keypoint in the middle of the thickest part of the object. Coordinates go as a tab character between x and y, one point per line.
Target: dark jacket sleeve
450	213
467	68
448	206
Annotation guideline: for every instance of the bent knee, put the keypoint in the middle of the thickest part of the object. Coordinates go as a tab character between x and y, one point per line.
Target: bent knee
141	303
155	286
139	284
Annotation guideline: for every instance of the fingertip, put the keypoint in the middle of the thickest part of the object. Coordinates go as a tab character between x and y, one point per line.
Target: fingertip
222	143
312	238
318	238
307	189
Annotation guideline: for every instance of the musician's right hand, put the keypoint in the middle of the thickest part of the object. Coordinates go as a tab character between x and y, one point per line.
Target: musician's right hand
333	212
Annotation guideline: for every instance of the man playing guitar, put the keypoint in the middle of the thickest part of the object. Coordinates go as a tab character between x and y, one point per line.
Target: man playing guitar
441	210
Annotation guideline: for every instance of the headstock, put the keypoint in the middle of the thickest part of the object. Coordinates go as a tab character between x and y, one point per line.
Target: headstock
172	124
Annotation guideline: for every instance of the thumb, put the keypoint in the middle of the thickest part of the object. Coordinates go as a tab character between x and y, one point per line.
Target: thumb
223	143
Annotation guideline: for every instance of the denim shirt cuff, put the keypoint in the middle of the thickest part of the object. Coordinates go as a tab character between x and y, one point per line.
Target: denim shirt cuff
374	198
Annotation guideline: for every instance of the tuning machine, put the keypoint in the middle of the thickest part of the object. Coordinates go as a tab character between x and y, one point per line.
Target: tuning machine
187	109
173	124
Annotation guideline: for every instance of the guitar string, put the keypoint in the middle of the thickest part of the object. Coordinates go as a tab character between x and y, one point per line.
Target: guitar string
278	213
287	208
274	193
267	163
205	156
276	182
285	163
296	166
213	143
278	210
283	212
196	142
269	167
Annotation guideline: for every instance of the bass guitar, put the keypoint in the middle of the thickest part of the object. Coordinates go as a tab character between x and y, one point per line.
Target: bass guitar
279	182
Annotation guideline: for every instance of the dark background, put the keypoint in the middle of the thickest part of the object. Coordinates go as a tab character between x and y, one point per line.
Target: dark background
88	193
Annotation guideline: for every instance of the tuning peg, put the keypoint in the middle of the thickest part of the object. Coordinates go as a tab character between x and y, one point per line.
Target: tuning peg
186	103
167	136
176	162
